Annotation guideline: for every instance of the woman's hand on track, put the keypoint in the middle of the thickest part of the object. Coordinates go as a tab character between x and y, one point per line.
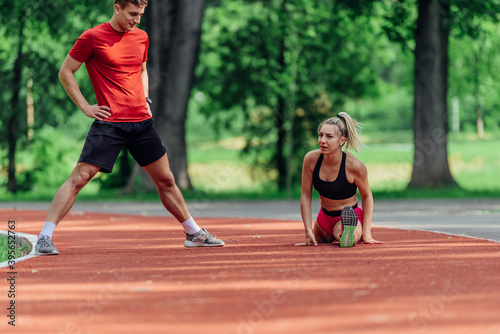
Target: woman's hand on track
310	240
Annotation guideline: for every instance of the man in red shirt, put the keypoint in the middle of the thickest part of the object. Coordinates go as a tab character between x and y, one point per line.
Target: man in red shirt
115	54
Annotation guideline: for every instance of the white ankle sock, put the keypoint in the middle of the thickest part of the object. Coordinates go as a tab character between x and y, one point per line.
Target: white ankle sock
190	226
47	230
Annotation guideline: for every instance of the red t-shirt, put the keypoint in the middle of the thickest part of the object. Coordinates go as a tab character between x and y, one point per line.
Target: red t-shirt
114	63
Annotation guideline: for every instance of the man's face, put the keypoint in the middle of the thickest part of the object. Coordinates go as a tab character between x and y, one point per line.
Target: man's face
129	16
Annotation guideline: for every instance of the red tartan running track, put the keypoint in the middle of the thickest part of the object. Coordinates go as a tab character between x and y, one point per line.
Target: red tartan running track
131	274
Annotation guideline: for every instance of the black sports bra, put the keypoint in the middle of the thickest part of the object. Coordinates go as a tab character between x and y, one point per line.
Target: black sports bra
338	189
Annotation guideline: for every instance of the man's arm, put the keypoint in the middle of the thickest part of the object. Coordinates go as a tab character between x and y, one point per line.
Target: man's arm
67	78
145	84
145	79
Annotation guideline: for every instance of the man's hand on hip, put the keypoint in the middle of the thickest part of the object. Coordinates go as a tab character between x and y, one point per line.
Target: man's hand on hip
97	112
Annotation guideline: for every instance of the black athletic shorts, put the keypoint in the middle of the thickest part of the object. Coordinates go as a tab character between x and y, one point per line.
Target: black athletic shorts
105	140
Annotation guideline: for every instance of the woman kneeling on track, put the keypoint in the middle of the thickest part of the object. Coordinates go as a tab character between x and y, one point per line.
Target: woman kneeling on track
337	175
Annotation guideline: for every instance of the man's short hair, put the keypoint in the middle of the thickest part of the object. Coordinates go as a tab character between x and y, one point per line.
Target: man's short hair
124	3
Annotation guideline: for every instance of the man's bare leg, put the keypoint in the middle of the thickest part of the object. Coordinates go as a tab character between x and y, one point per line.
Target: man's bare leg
173	201
65	197
170	194
61	204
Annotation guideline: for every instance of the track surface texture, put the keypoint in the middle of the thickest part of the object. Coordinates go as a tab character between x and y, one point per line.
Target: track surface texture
131	274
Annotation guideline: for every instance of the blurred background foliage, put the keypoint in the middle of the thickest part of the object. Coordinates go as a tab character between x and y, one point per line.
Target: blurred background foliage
268	73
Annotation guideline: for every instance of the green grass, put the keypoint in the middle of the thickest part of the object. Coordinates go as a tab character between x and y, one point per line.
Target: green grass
474	164
218	172
212	152
4	249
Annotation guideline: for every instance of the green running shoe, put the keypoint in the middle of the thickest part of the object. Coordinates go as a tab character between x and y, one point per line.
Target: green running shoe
349	220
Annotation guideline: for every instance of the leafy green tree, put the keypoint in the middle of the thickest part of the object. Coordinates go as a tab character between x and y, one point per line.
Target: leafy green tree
36	36
474	75
174	28
430	126
434	23
286	65
34	40
436	19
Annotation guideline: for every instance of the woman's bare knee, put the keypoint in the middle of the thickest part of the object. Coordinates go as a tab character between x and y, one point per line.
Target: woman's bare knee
322	237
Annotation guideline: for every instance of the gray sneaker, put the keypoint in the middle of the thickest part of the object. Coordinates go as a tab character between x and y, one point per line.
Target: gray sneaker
44	246
202	239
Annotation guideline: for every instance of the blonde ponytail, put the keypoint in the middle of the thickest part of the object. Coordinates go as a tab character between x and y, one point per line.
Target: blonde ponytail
348	128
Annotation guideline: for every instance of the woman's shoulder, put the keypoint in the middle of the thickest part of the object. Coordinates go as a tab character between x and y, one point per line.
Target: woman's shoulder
311	158
312	155
353	164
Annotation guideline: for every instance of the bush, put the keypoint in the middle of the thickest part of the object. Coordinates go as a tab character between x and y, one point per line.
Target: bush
51	157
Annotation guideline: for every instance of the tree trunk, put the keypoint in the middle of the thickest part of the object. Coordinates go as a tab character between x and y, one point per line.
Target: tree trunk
175	42
479	121
174	29
280	122
430	165
13	120
477	93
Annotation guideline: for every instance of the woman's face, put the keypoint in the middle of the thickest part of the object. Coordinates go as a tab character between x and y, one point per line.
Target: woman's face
329	138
